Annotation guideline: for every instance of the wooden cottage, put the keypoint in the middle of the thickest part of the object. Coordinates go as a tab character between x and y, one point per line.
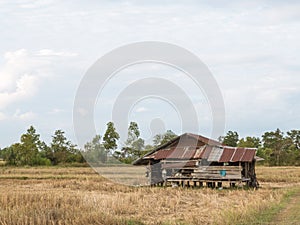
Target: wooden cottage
193	160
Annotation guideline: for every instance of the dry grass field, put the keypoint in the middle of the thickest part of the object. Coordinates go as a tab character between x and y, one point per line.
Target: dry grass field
80	196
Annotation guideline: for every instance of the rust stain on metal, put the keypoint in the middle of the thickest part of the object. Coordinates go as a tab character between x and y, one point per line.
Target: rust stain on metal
174	153
227	154
249	155
238	154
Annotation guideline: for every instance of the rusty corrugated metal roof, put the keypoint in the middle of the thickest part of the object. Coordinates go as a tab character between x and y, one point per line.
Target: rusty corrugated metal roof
232	154
211	153
161	154
238	154
174	153
186	149
206	152
204	139
227	154
248	155
199	152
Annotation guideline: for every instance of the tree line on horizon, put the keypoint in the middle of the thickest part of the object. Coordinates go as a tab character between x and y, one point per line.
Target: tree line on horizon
276	147
32	151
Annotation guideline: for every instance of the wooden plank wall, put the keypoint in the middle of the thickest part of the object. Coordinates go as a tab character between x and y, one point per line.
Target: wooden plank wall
213	172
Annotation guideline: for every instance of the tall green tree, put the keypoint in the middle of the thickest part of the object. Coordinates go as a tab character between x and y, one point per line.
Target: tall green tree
62	150
164	138
250	142
277	146
134	145
12	154
133	133
30	146
138	147
230	139
110	138
28	151
94	151
294	135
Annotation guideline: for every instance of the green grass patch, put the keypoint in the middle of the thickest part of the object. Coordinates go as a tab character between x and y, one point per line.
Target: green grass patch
268	215
134	222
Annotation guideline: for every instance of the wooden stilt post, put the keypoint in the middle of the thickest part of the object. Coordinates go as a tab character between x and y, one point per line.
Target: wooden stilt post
213	184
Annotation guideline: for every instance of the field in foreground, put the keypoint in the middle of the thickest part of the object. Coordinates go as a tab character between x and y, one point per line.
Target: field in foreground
81	196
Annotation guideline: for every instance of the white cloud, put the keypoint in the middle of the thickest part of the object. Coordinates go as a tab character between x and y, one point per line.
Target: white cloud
260	102
251	48
56	111
2	116
18	77
49	52
26	87
18	116
33	4
141	109
22	73
27	116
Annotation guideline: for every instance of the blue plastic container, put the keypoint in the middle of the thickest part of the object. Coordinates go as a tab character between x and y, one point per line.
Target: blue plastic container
223	173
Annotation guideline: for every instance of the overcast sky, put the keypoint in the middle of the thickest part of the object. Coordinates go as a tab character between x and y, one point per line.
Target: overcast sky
251	47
